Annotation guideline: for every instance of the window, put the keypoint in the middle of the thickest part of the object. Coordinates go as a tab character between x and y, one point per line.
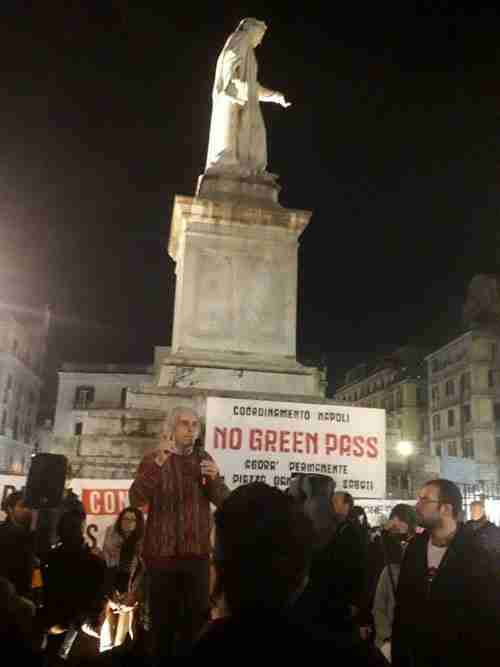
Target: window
497	411
491	378
452	448
450	388
19	397
7	389
438	451
436	422
84	396
78	428
493	348
3	422
27	432
421	395
435	394
497	443
466	413
468	449
399	399
464	382
15	428
451	418
123	400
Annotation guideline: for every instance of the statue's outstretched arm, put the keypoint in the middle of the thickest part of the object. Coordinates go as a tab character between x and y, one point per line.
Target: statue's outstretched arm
267	95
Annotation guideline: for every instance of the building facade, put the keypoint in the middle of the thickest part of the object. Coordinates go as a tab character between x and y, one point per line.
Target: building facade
22	350
398	385
464	409
94	425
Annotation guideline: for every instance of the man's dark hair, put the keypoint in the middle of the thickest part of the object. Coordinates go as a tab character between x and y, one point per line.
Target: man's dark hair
449	494
263	548
12	499
77	587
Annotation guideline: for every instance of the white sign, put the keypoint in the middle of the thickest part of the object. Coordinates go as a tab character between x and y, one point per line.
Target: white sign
378	510
269	442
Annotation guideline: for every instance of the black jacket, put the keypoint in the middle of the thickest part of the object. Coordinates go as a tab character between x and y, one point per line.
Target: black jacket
281	639
16	556
336	581
454	619
486	534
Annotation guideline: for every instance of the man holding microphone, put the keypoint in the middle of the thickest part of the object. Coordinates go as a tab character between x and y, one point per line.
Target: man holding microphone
177	483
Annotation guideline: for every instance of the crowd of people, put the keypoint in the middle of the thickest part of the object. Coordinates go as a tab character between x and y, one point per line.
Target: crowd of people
270	573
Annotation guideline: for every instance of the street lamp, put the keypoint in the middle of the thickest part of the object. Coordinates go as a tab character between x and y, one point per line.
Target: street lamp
405	449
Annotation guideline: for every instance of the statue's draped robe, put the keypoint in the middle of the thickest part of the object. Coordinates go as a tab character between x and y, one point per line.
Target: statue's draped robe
237	133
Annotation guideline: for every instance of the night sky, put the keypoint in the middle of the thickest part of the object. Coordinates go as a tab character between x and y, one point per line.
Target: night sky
392	141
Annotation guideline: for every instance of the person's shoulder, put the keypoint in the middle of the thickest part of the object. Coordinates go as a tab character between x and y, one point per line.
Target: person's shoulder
417	544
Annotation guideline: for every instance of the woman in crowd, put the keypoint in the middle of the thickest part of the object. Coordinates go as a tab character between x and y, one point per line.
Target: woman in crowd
122	545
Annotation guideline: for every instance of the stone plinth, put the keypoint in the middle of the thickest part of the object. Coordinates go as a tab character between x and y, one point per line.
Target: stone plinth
242	372
257	190
236	267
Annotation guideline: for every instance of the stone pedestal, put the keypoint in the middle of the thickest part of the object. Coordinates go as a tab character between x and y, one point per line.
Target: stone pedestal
235	250
258	190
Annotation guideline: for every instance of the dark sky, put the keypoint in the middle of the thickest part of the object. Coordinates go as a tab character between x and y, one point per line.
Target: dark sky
392	141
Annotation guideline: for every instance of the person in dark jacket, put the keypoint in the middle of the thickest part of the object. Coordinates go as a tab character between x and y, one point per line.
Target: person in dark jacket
447	600
348	553
263	549
336	572
485	532
17	544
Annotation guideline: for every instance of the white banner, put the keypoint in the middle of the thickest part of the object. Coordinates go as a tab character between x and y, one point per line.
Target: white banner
269	442
378	511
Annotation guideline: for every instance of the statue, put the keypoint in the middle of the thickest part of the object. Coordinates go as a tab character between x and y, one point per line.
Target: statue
482	307
237	142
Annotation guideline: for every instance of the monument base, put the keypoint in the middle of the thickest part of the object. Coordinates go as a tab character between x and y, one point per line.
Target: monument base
239	372
239	187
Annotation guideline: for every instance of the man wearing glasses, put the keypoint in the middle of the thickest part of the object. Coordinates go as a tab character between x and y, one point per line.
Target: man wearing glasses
448	597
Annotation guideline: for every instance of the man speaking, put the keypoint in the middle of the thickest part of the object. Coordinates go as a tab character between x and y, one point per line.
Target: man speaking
177	483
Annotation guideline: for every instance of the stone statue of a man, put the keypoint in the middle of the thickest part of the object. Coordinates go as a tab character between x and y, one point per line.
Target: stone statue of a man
237	141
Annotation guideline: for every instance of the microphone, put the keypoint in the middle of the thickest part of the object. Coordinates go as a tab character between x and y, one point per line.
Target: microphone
201	455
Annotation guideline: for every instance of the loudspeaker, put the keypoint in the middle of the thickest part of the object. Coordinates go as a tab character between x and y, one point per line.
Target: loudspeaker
45	485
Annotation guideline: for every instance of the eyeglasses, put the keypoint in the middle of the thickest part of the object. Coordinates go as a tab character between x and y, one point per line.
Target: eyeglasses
425	501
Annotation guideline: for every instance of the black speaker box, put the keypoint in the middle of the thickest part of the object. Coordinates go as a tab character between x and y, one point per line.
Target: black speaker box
46	477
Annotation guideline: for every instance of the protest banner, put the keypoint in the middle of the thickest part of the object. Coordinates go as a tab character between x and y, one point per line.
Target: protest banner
268	441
